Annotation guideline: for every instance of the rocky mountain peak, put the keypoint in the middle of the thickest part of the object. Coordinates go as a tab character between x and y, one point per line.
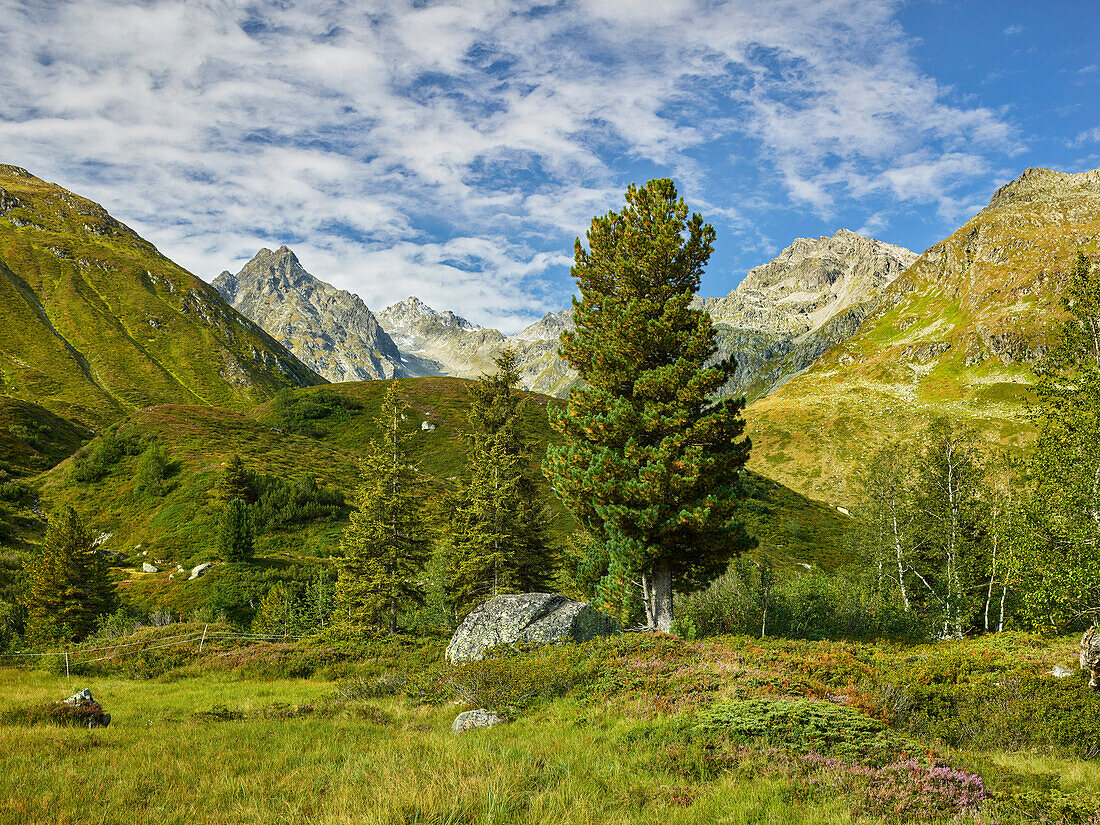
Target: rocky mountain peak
329	329
414	312
1038	184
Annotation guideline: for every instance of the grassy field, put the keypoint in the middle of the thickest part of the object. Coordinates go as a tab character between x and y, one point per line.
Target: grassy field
620	731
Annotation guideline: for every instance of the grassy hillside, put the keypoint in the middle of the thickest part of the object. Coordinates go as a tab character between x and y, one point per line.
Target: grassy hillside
33	439
956	335
176	523
107	325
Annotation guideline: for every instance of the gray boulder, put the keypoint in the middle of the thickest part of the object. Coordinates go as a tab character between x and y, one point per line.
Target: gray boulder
199	570
470	719
87	711
532	618
149	568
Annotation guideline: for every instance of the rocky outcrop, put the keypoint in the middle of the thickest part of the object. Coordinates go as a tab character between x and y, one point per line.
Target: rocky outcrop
1090	656
789	311
330	330
531	618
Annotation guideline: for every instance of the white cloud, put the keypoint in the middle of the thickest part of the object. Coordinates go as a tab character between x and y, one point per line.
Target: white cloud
453	150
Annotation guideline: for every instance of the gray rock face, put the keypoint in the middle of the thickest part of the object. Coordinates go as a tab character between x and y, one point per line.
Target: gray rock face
534	618
440	343
786	313
471	719
199	570
328	329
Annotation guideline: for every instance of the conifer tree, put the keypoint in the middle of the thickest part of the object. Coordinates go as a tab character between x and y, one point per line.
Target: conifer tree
498	540
68	583
235	537
651	462
235	483
385	545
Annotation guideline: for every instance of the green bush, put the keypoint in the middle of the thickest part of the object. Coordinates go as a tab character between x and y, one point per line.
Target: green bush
93	462
1016	712
509	680
810	605
806	726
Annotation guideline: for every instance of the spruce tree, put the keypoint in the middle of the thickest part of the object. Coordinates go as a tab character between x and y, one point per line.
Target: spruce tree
235	537
68	583
651	461
385	545
498	536
235	483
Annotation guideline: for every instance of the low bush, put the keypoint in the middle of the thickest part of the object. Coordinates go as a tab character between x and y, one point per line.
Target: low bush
508	681
62	714
806	726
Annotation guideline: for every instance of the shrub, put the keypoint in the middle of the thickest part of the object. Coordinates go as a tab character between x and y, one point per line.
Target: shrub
283	504
92	463
509	681
807	726
152	470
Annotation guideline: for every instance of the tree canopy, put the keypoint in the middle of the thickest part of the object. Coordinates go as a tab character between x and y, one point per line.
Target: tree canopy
651	463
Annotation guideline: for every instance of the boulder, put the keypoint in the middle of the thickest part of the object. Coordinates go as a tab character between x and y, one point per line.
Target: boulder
87	710
470	719
149	568
532	618
199	570
1061	672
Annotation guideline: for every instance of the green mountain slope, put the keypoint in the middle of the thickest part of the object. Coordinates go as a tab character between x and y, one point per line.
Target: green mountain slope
104	324
955	335
332	425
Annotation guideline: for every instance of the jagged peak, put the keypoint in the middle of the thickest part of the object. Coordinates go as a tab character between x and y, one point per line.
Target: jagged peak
10	171
1038	180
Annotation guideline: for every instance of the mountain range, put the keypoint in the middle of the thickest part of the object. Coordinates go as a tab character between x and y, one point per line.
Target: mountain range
781	317
842	342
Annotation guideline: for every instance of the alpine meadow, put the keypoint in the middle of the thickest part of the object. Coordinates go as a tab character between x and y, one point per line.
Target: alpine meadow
602	474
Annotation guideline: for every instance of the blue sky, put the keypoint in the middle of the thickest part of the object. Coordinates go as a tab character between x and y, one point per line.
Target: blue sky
454	150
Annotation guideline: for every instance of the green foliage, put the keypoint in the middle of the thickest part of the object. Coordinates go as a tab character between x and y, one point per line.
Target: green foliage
235	482
281	504
807	727
385	545
152	470
235	537
1055	558
651	464
497	535
511	681
94	462
305	414
800	605
295	608
68	584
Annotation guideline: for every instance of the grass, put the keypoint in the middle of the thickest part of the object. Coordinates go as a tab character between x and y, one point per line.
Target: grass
203	744
108	325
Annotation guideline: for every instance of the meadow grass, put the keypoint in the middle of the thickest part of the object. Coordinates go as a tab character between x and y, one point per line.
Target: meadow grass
396	764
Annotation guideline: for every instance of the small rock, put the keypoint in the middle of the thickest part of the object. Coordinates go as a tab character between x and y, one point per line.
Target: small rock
171	576
90	708
1061	672
427	425
179	568
470	719
199	570
149	568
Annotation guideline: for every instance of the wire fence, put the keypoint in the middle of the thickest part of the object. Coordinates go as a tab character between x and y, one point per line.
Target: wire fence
73	656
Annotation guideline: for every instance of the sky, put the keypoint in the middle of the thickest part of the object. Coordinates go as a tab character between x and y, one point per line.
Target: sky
454	151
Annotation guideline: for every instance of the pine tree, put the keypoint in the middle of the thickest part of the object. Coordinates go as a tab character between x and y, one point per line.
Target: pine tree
385	545
235	483
1056	555
235	538
68	583
651	465
498	536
